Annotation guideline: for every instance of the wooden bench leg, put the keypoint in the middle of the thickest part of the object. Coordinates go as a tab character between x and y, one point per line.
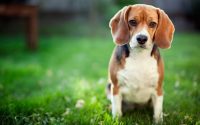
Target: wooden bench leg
32	34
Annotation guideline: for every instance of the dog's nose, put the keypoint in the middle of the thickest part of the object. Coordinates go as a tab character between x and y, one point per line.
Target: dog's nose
142	39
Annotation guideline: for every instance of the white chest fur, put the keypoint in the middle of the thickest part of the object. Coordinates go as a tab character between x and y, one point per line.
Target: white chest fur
139	77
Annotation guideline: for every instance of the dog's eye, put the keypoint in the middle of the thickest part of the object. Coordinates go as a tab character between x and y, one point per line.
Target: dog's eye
132	22
152	24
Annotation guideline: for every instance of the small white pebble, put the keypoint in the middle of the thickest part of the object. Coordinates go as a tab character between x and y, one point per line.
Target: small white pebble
80	103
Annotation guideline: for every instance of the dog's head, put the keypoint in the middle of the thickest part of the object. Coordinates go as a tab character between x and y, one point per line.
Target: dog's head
142	26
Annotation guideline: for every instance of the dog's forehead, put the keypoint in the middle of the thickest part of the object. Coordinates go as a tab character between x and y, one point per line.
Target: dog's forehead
143	11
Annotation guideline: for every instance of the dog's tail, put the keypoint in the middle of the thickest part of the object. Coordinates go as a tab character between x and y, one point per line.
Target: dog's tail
108	91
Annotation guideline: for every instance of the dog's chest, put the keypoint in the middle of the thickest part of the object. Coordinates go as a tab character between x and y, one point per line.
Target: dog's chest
139	78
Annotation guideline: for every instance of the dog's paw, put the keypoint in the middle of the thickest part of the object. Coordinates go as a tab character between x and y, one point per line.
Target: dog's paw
158	120
116	114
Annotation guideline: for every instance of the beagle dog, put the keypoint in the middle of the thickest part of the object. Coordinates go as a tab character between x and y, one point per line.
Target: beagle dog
136	69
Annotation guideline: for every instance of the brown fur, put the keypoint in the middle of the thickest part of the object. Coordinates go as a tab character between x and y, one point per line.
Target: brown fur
165	31
119	26
121	32
156	54
114	67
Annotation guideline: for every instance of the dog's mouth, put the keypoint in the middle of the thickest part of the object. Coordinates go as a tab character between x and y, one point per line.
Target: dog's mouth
142	46
139	46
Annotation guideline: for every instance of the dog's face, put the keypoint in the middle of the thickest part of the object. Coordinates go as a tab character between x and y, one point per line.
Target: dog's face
141	26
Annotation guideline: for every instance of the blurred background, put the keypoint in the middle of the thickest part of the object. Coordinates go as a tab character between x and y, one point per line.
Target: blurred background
79	17
54	57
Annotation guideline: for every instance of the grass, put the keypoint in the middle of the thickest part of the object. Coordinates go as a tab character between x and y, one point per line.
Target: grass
43	87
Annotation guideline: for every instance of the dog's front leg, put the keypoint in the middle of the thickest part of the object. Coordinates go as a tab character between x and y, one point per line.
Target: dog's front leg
157	107
116	100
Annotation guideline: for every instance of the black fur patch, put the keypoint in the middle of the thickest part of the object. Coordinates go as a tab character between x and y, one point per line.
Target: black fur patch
109	86
155	51
122	50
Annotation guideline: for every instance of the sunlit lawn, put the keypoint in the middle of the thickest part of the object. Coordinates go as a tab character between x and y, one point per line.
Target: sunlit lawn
43	87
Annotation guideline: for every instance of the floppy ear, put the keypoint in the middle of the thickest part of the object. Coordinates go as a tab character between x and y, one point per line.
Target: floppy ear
165	30
119	26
